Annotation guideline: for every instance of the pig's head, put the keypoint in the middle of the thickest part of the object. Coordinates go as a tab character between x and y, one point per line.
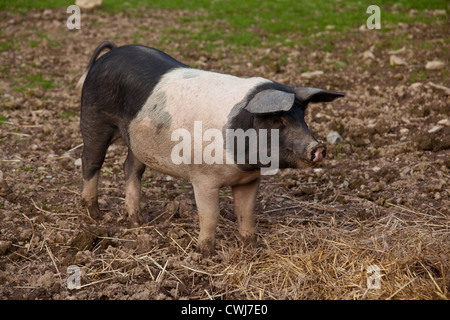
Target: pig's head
283	108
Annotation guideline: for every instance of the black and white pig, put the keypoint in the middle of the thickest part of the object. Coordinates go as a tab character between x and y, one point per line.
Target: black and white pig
144	96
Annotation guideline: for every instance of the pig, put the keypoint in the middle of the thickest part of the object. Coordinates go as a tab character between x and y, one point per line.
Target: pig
143	95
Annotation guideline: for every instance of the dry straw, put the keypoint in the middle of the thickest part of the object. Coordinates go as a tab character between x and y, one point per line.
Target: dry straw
325	254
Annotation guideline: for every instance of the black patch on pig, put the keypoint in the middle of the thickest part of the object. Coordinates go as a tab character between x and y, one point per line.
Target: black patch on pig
246	120
119	83
240	118
116	87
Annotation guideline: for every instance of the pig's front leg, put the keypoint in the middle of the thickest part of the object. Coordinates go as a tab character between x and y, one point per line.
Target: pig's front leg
244	205
89	196
207	200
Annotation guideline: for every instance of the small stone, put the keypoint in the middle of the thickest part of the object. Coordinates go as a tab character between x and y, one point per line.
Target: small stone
404	131
406	120
435	129
403	25
413	12
368	55
437	86
443	141
47	12
400	91
289	183
397	61
434	65
401	50
377	187
78	162
424	142
4	246
439	12
406	171
88	4
416	86
47	129
312	74
334	137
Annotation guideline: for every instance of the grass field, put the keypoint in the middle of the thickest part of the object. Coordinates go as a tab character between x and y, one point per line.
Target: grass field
262	23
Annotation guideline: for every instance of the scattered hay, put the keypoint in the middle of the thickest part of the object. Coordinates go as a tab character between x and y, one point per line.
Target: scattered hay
330	255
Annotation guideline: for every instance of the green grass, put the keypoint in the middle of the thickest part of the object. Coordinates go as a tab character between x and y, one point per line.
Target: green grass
39	81
67	115
30	81
418	75
2	119
8	44
259	23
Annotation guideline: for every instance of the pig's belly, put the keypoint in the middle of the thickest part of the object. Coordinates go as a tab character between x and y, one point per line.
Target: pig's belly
151	142
155	151
163	164
153	147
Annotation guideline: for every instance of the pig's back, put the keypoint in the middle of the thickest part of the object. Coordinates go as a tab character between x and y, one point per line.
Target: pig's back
188	95
120	81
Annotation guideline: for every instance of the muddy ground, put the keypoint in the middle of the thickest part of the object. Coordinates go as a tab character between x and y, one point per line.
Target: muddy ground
380	199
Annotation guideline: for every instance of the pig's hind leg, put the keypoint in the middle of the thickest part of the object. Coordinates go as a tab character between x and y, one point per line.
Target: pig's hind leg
134	169
96	139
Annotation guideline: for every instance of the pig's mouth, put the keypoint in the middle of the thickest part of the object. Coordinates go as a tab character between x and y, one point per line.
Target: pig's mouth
315	155
304	159
301	163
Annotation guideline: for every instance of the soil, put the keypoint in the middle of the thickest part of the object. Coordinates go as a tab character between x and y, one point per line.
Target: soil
380	198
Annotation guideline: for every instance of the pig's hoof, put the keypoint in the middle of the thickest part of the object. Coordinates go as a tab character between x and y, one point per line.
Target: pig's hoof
135	219
93	210
248	240
206	248
136	222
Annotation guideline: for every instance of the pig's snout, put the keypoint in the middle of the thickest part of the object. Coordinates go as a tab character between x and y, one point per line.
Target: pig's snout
318	153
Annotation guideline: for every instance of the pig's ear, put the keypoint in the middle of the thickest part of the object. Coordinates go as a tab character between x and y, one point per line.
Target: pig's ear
307	94
270	101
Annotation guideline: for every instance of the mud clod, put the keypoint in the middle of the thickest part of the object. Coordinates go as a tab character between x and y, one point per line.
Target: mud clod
88	238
